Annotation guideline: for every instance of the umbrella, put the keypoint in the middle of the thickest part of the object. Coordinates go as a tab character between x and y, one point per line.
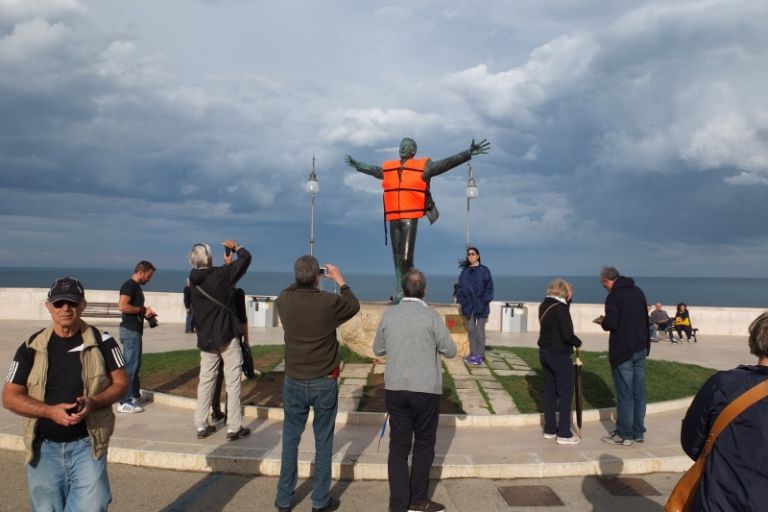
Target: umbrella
382	430
577	389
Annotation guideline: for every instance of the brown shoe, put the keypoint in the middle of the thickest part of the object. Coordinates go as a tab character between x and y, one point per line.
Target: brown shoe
426	506
202	433
234	436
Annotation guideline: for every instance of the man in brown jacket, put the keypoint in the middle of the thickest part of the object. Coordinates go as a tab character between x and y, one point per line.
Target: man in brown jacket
310	318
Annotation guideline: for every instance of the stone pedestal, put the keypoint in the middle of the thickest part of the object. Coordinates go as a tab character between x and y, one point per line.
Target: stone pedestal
358	332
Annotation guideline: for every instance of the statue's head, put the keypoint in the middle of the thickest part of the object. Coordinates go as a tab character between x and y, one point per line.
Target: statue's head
407	148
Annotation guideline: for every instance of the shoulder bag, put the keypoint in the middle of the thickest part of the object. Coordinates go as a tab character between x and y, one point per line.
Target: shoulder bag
682	495
248	368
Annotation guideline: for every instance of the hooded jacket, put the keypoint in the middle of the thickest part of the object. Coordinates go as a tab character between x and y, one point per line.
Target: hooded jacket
626	317
216	326
736	475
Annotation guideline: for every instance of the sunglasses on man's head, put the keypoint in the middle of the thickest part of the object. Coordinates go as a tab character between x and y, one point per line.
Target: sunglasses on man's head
60	304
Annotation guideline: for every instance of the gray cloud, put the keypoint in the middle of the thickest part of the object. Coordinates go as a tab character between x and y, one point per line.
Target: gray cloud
621	131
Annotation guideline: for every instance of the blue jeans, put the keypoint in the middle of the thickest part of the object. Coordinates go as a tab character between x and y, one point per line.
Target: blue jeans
629	381
298	395
64	477
131	341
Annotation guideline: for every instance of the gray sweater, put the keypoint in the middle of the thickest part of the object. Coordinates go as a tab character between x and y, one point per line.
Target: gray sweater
413	336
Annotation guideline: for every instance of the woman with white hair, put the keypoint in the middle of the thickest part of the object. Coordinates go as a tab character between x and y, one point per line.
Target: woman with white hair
556	343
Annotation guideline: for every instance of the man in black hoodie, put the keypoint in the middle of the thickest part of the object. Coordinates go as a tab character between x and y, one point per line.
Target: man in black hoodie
218	333
628	345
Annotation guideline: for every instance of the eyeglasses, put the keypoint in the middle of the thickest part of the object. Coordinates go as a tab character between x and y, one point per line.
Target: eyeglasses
60	304
471	254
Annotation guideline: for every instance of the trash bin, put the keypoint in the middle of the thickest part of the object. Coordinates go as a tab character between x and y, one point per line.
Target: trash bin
261	311
514	318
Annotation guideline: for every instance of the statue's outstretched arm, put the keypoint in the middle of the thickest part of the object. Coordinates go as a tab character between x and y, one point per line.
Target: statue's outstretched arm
435	168
371	170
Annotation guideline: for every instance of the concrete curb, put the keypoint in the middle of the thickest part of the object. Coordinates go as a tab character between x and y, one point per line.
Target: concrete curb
453	420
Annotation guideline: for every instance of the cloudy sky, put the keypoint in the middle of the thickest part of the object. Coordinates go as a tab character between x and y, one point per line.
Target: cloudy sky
623	132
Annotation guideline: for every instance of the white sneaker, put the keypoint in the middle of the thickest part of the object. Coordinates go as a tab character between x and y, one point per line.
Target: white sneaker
548	436
129	408
574	439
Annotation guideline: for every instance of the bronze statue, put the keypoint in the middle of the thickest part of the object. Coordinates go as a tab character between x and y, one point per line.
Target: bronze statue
407	196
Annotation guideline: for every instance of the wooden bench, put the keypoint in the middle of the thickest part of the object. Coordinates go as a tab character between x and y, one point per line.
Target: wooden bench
102	310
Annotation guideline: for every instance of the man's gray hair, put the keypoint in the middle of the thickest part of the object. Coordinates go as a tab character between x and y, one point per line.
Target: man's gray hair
758	336
414	283
200	256
306	270
609	273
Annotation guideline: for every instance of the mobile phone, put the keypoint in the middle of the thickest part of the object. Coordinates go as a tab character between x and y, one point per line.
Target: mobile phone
227	251
323	271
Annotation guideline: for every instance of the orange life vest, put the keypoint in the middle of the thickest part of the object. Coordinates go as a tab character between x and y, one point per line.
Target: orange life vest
405	191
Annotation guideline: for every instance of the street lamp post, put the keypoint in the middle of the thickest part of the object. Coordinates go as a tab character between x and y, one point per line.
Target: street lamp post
312	188
472	193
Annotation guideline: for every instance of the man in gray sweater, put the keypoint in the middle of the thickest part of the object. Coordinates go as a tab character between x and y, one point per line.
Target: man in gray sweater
412	336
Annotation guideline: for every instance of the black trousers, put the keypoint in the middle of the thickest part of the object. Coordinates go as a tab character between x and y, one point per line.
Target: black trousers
402	233
413	421
558	391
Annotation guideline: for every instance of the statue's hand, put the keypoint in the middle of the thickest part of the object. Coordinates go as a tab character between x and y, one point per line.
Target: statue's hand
350	161
480	148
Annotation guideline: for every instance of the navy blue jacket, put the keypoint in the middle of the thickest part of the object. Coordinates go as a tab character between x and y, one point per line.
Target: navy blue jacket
736	473
626	316
556	328
475	291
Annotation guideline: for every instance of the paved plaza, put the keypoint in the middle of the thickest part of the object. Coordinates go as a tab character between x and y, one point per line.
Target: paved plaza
479	455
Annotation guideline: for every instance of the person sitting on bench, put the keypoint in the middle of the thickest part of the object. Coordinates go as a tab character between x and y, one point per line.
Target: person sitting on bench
683	322
661	320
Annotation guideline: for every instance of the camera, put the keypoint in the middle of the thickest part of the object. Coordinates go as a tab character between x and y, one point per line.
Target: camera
227	251
323	271
152	321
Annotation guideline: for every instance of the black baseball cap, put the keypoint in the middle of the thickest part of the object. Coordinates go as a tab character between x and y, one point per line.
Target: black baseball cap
66	288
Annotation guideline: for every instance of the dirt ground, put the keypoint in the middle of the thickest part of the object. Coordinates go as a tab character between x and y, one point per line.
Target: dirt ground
267	390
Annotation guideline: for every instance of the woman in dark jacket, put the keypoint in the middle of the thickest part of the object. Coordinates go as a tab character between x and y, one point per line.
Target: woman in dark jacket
475	293
736	474
556	343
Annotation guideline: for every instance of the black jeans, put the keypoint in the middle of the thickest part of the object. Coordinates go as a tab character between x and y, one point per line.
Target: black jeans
413	421
558	391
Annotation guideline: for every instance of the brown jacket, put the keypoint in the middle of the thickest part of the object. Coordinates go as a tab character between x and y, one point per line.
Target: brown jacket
310	318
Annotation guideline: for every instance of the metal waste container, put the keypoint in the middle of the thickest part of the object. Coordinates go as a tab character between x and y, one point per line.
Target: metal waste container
261	311
514	317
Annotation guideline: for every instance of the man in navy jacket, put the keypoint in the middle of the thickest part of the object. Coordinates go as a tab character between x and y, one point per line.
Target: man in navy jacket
629	344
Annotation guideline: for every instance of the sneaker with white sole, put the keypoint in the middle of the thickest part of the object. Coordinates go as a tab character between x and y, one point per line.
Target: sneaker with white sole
574	439
129	408
615	438
548	436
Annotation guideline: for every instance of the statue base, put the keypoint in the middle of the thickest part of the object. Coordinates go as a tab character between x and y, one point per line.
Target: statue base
359	332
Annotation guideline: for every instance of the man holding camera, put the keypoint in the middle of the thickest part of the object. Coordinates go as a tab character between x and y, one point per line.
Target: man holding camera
63	381
131	304
310	318
218	333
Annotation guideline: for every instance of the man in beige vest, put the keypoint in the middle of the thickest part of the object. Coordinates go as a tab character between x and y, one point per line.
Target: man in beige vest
63	381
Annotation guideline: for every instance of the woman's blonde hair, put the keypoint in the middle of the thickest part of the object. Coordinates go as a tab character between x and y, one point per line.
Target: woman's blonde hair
558	288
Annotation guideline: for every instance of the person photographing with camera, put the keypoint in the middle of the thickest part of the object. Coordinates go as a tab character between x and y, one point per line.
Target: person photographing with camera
310	317
218	332
131	305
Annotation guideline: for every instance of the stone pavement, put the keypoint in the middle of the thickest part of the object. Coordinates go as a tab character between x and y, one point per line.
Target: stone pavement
479	445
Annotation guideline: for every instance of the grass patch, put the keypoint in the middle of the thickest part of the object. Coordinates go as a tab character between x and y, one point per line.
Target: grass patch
664	380
352	357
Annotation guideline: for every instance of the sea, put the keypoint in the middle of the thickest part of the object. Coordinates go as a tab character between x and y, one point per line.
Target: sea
695	291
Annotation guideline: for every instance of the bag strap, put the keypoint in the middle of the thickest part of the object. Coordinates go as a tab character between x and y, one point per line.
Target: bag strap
547	311
742	403
212	299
